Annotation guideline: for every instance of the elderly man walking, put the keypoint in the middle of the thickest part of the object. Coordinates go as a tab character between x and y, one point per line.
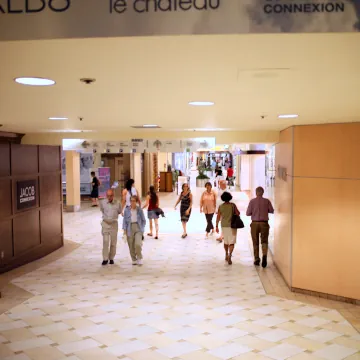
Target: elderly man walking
110	209
259	210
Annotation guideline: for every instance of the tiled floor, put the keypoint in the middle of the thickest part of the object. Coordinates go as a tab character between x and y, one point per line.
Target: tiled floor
184	303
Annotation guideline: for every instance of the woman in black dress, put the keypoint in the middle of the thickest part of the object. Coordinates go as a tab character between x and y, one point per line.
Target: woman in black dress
95	190
185	207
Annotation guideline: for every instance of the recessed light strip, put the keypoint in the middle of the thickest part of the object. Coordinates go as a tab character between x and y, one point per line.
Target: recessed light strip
58	118
288	116
201	103
34	81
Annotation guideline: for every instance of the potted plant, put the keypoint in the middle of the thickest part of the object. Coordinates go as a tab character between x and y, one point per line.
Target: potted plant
209	172
202	178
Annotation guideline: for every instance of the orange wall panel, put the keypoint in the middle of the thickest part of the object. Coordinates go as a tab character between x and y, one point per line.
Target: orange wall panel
283	205
326	247
327	151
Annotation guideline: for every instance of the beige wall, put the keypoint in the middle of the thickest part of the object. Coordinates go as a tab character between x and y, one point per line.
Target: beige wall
283	205
72	180
136	172
326	245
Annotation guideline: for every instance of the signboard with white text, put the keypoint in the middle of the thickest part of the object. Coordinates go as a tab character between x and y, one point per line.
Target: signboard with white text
61	19
26	194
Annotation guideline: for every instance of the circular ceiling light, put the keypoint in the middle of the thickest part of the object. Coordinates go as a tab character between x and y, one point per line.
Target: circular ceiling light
58	118
201	103
288	116
34	81
150	126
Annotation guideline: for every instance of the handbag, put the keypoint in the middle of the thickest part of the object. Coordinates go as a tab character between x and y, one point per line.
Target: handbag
236	222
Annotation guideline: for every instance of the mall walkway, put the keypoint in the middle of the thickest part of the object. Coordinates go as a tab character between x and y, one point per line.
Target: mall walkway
184	303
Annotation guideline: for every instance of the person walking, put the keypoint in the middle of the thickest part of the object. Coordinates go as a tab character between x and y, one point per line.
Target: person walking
95	190
134	224
222	189
127	193
259	210
230	176
152	203
208	207
185	199
225	214
111	209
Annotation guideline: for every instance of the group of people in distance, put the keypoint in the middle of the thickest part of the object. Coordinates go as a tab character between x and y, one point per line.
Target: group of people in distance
211	203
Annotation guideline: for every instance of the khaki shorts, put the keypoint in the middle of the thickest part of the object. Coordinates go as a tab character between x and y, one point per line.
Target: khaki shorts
229	235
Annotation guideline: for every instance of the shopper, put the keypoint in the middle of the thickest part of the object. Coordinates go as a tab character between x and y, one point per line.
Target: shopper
222	189
208	207
230	176
225	214
152	203
185	199
218	177
110	209
95	190
134	224
259	210
127	193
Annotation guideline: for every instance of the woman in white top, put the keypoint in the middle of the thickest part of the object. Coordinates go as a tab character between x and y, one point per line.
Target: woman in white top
127	193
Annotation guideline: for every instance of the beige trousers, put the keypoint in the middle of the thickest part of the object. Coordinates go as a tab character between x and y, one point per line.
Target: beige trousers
109	233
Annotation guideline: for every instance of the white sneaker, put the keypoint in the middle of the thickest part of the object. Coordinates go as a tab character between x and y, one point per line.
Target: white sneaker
134	262
140	262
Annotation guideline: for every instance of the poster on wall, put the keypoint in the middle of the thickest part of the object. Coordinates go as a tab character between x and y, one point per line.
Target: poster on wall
104	177
86	165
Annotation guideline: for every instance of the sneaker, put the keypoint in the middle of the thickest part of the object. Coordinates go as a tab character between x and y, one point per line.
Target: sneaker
257	262
111	262
134	262
140	262
105	262
264	262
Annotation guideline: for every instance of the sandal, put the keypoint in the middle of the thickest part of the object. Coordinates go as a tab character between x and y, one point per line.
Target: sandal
149	234
184	236
156	237
229	260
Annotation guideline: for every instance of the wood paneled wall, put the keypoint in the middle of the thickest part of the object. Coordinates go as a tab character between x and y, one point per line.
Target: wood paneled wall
29	234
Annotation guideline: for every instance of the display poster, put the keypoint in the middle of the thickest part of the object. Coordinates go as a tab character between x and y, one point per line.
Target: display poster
104	177
86	165
65	19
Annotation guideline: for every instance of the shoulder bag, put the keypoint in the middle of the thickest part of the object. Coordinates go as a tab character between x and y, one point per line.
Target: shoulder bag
236	222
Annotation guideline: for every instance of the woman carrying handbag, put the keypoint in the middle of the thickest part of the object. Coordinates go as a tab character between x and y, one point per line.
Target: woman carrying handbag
230	221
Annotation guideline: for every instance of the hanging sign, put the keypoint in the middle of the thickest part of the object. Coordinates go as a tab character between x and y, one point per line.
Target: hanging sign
61	19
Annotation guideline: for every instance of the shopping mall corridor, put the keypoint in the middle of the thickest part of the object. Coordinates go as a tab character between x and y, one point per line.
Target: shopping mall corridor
184	303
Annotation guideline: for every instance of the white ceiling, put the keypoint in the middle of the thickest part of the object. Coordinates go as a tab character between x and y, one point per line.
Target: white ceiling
151	80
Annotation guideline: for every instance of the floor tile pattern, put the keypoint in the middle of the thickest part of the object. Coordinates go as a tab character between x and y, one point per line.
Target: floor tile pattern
185	303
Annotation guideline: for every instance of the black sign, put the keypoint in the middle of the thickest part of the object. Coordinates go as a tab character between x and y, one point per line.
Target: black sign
26	194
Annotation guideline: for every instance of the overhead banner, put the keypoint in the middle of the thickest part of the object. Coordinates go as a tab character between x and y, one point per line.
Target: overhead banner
60	19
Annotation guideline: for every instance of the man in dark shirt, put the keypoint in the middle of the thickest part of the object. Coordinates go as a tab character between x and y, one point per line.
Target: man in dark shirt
259	210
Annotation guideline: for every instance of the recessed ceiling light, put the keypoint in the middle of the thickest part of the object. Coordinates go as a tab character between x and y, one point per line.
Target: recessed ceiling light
58	118
201	103
69	131
34	81
146	127
288	116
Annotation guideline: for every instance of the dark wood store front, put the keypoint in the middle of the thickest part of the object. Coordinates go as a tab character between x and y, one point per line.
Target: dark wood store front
31	223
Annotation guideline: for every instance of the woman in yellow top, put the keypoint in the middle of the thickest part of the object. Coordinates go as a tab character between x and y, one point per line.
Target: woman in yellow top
208	207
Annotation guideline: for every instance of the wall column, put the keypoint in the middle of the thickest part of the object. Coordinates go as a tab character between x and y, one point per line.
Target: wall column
73	199
136	172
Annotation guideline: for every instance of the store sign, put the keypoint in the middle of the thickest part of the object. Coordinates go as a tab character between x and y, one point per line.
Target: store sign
56	19
26	194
